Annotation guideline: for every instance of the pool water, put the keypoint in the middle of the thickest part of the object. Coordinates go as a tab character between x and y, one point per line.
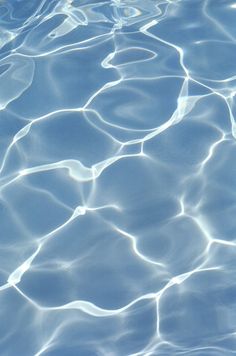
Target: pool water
117	177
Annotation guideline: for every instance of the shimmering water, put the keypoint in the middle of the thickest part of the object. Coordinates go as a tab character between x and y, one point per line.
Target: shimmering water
117	177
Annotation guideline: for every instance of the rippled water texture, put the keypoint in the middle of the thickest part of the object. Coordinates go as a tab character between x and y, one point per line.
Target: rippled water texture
117	177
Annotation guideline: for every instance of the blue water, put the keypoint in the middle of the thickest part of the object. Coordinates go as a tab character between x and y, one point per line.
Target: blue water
117	177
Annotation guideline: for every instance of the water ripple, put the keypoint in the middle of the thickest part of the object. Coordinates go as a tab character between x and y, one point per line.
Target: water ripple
117	177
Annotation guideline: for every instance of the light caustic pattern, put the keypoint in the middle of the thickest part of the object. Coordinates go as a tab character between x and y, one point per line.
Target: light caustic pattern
117	177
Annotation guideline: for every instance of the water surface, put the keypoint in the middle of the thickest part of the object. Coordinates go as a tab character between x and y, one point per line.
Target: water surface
117	177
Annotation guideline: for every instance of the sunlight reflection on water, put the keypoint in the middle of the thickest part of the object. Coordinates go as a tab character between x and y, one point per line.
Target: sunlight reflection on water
117	177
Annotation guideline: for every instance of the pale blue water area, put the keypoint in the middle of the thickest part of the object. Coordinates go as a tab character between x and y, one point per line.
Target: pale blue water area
117	177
